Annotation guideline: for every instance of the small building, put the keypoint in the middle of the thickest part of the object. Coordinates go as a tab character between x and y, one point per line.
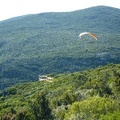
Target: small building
44	77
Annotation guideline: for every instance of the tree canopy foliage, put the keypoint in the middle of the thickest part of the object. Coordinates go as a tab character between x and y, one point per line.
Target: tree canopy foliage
90	94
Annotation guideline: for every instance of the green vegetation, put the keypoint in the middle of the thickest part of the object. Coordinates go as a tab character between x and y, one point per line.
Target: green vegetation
92	94
48	43
85	85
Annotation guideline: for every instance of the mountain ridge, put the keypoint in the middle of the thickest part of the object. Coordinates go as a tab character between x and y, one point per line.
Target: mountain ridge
48	43
94	7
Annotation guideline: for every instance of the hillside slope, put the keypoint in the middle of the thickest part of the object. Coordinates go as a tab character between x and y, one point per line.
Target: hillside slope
48	43
93	92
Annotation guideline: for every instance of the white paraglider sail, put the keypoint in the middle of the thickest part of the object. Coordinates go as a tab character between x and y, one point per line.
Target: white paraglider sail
88	33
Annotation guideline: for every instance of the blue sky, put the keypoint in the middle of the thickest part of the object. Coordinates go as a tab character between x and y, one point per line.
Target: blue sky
13	8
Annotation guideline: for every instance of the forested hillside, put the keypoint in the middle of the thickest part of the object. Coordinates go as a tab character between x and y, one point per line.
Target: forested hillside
92	94
48	43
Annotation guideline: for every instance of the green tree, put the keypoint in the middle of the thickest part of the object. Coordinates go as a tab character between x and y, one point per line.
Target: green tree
24	115
91	108
41	109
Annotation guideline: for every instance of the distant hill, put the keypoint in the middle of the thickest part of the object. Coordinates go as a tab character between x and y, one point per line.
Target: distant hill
48	43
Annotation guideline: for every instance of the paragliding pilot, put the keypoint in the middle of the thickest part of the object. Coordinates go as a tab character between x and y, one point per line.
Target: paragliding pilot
88	33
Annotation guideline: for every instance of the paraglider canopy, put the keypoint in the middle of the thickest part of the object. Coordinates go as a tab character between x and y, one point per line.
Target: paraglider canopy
88	33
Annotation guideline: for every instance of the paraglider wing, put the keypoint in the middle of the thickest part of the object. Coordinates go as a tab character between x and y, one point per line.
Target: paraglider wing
93	35
89	33
84	33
